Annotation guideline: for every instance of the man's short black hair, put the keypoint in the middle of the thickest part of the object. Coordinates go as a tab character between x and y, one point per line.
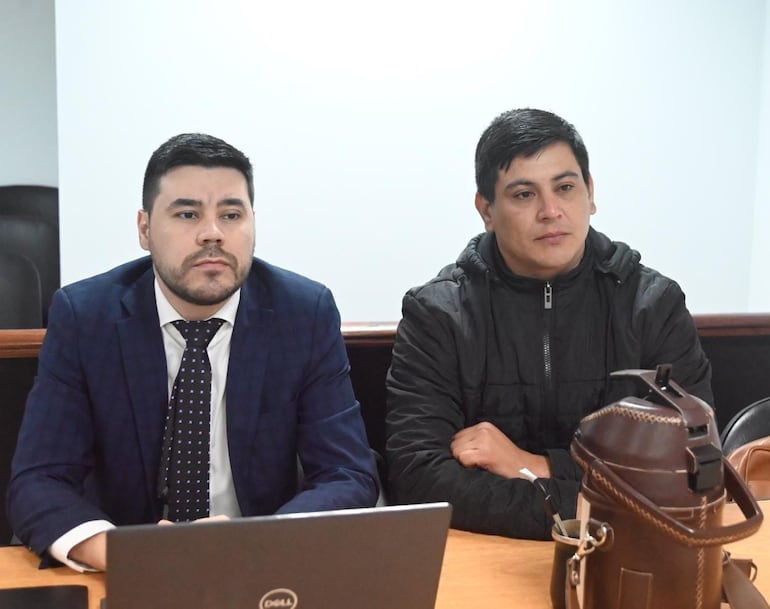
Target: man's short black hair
522	132
196	149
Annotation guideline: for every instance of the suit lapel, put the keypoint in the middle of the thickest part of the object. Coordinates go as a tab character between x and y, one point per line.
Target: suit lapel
249	351
144	363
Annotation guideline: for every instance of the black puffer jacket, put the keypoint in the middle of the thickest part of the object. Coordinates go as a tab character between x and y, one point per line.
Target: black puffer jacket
478	343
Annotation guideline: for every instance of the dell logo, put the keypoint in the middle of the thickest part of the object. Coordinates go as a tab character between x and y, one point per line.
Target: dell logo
280	598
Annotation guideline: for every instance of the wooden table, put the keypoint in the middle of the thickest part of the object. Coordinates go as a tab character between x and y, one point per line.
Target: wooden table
478	570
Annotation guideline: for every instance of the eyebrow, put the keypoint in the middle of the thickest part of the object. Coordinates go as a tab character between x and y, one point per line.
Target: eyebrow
565	174
556	178
228	202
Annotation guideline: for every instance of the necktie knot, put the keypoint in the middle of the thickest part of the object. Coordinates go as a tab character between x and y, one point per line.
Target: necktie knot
198	333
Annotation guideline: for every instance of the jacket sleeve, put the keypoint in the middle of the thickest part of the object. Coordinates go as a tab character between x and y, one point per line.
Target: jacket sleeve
425	408
669	336
55	449
338	466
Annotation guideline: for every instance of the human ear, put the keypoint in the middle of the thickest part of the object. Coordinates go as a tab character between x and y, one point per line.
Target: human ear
483	206
143	228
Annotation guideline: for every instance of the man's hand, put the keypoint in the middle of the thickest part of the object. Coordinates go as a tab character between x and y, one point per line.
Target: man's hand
485	446
207	519
91	552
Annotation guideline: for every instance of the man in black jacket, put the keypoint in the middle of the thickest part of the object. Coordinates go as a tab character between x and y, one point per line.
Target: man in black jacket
498	358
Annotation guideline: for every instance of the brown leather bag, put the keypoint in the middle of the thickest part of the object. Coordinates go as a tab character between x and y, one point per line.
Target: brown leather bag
654	486
752	462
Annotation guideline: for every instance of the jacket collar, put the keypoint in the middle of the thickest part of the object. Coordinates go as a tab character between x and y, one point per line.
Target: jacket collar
608	257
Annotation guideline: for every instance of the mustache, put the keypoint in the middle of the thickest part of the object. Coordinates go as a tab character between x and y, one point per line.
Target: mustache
211	251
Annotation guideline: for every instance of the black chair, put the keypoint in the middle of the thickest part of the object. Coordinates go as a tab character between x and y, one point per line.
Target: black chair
38	201
21	304
29	226
751	423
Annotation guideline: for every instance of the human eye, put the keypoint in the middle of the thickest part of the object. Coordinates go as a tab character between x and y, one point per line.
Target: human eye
523	195
232	215
566	186
185	214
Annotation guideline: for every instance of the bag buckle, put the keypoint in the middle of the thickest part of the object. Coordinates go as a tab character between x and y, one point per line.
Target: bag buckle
587	546
704	469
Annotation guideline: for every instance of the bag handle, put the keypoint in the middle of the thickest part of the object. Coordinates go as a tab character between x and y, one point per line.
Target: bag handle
663	390
623	493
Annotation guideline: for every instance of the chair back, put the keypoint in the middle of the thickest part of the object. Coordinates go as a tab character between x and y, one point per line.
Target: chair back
20	306
38	201
750	423
29	226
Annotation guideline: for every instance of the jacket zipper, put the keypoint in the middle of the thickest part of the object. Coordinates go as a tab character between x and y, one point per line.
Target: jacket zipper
547	434
548	305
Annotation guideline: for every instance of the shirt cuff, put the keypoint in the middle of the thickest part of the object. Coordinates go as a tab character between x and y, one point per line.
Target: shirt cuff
60	548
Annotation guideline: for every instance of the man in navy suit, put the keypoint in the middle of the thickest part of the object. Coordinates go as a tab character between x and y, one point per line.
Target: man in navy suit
90	446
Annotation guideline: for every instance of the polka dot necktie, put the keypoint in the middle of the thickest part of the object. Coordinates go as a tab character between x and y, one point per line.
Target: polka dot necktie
183	480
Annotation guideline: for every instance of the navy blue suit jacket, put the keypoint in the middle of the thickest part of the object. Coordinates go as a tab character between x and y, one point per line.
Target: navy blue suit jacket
90	442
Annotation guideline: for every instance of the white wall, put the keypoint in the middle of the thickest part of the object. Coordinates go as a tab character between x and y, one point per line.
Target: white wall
362	120
759	279
27	93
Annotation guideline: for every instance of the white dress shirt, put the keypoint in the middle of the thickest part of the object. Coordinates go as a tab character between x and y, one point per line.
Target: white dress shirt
222	498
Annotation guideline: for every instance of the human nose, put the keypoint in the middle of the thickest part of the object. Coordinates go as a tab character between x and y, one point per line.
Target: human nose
550	207
210	231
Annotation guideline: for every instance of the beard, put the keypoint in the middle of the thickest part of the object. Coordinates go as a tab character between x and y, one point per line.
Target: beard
216	287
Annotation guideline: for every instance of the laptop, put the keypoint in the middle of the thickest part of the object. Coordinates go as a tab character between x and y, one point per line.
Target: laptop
374	558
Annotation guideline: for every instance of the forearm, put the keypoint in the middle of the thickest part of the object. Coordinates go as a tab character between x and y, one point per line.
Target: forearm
44	506
481	501
563	466
350	490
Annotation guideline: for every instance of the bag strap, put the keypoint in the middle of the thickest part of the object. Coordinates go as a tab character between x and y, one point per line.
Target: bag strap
623	493
571	600
737	589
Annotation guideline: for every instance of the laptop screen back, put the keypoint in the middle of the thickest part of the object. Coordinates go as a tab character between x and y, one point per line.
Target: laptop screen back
378	558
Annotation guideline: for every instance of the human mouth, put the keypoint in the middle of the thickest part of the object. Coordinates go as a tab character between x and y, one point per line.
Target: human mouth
553	237
210	264
212	260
